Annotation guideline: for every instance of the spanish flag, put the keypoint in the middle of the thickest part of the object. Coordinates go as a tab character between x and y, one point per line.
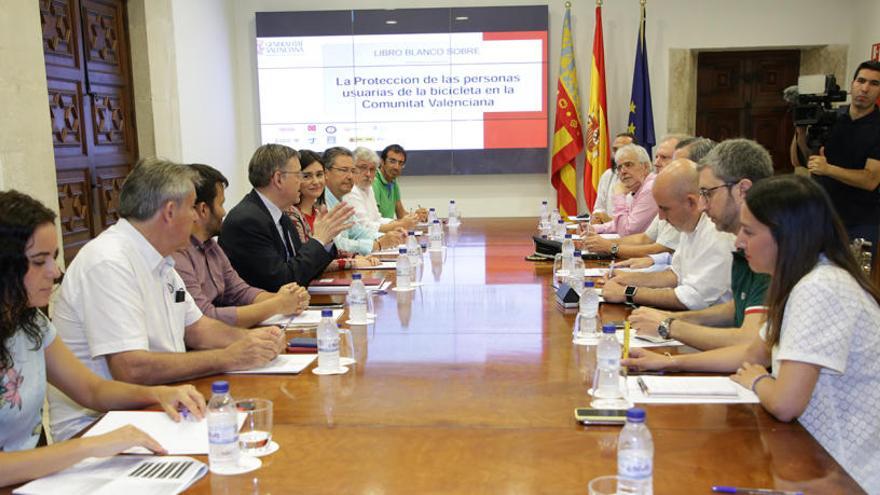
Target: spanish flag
568	139
598	151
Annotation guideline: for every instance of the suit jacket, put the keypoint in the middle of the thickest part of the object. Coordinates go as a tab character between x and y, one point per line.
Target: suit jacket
251	241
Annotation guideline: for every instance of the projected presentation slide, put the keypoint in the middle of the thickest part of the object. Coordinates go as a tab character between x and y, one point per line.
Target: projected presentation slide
463	90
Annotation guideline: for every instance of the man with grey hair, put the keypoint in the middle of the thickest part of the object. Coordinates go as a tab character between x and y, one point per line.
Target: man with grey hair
700	270
634	206
261	241
726	175
125	313
665	150
363	198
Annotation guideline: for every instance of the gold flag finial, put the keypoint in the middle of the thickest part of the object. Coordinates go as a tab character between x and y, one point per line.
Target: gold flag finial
598	3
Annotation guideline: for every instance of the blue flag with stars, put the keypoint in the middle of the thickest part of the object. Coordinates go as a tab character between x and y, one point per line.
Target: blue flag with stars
641	117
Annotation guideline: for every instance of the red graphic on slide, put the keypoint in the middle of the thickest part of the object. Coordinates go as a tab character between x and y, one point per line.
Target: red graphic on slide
518	129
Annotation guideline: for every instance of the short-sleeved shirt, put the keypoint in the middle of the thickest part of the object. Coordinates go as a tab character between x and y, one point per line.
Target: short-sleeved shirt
118	295
23	389
211	281
749	288
850	144
832	323
702	264
661	232
387	195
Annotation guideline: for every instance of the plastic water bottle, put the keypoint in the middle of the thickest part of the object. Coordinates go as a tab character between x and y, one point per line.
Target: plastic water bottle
357	299
413	249
567	254
404	270
328	342
576	274
544	219
432	215
635	455
554	217
435	235
545	210
559	229
588	309
223	449
453	213
607	383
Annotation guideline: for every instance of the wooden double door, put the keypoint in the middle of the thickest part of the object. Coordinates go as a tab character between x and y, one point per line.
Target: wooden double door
739	94
91	106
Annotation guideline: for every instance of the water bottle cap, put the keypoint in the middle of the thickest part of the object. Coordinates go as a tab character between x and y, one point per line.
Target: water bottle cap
326	313
452	201
589	283
543	202
220	387
635	415
356	276
411	232
436	221
402	251
609	328
431	209
568	236
577	254
560	221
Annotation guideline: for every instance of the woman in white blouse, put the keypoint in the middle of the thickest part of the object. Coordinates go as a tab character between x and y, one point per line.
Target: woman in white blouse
822	334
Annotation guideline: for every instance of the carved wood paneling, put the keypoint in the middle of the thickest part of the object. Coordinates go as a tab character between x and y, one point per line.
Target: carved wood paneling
103	25
64	112
109	185
108	119
58	28
74	201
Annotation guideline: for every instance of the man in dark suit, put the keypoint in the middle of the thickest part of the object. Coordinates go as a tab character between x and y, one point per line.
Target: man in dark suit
260	239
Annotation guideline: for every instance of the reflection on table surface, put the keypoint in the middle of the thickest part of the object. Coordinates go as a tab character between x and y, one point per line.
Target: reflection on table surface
468	385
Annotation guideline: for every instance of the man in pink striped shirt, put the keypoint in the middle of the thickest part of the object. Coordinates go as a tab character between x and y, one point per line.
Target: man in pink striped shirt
634	205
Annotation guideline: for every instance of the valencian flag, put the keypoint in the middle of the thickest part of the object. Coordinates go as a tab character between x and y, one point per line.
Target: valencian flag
641	117
598	152
568	138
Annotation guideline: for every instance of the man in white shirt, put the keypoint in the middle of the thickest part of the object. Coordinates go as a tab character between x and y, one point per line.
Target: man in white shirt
363	198
125	313
603	208
700	272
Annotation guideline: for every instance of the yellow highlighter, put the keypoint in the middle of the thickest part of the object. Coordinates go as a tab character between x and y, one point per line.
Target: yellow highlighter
625	351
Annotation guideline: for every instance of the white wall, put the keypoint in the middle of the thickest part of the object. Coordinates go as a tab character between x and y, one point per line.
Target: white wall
866	20
699	24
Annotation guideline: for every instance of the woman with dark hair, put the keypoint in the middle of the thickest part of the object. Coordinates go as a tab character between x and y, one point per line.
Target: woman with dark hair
311	200
822	334
30	355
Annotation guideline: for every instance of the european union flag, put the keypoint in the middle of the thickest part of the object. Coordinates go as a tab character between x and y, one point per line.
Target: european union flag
641	117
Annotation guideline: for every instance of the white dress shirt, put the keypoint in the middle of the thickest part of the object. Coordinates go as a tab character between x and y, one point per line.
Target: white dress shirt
366	210
118	295
702	264
605	191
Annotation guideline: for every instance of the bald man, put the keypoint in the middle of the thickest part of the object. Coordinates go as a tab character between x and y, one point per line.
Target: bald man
700	272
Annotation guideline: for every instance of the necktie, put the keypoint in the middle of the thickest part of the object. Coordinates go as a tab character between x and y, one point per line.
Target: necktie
287	229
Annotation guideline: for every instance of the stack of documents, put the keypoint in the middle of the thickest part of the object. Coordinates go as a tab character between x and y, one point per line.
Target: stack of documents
384	265
306	319
634	340
131	475
282	364
340	286
688	390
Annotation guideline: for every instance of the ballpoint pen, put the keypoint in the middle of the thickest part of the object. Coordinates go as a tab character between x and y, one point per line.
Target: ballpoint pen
753	491
611	269
644	389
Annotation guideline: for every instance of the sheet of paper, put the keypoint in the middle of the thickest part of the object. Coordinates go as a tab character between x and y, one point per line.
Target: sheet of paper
595	272
284	364
384	265
132	475
633	341
344	289
308	318
572	218
183	438
609	236
698	385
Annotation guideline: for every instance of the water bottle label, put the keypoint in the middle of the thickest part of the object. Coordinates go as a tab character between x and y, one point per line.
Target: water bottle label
634	466
222	434
609	363
328	344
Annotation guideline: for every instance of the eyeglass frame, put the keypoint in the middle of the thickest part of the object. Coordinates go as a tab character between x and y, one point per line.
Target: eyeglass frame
706	192
395	161
345	171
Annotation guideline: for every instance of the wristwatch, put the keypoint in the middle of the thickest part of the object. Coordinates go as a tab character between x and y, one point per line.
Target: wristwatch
664	329
614	249
630	293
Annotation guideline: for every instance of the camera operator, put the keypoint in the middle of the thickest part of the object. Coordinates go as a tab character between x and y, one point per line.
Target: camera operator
848	165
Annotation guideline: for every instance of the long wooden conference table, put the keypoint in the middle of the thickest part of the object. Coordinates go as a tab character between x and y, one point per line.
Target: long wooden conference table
468	385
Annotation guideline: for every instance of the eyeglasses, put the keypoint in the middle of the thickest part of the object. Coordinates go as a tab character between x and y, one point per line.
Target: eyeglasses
344	171
706	193
395	161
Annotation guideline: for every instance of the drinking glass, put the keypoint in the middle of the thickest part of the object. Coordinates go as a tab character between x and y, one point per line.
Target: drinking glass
255	436
346	358
603	485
